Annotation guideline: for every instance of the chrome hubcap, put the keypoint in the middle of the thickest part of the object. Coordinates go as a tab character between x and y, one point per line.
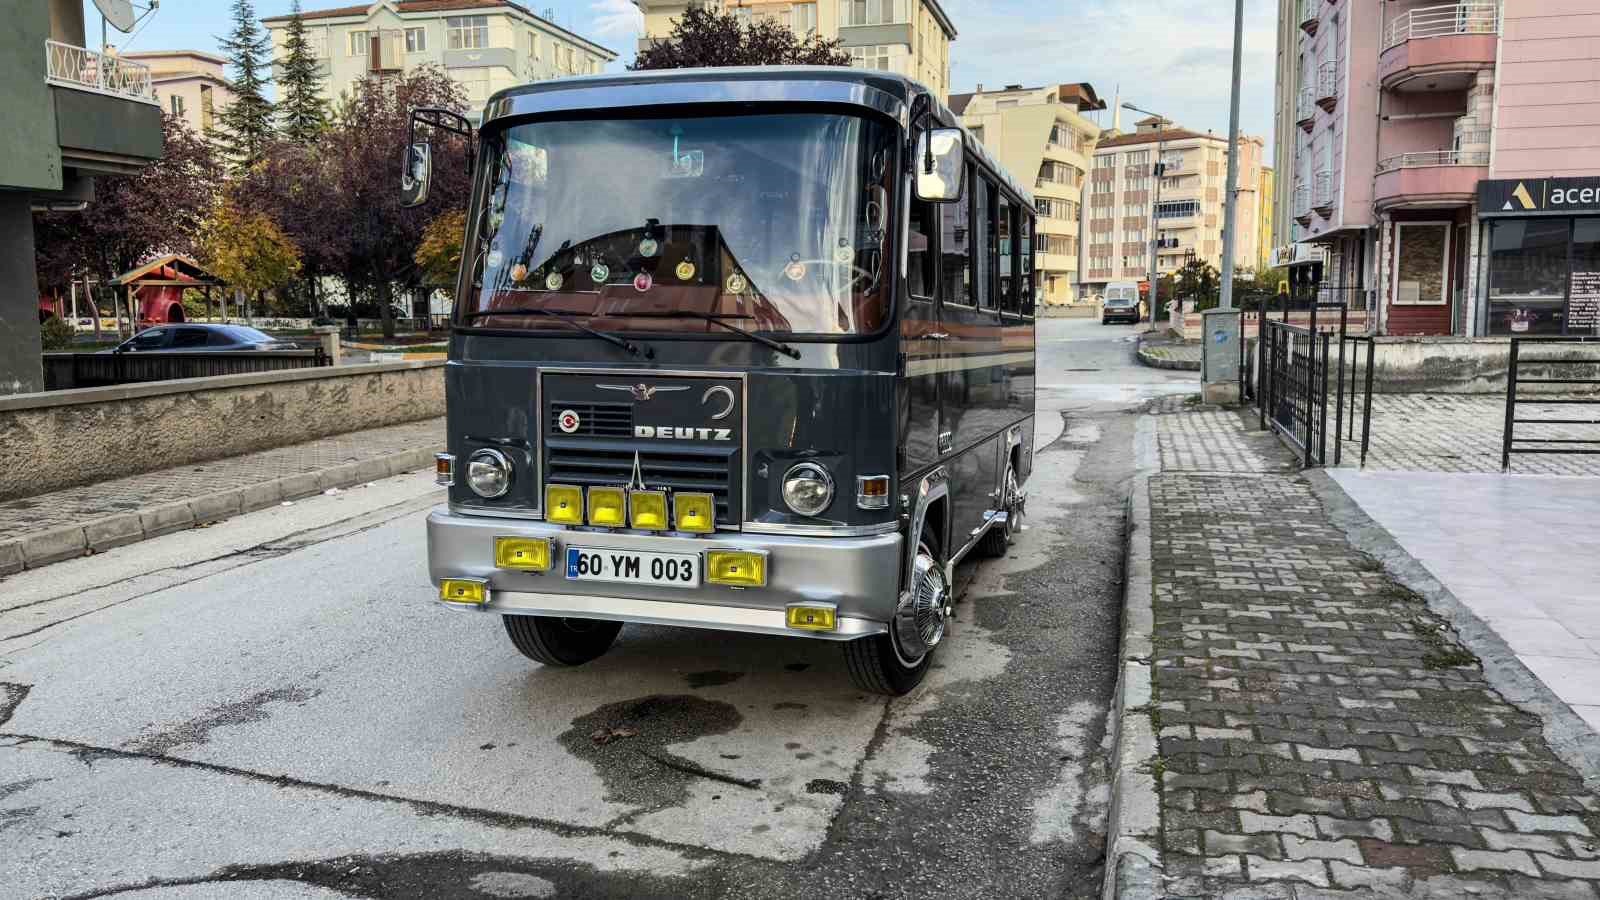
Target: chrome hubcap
920	621
1013	504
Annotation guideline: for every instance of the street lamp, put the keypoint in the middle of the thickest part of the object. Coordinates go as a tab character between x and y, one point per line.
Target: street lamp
1159	168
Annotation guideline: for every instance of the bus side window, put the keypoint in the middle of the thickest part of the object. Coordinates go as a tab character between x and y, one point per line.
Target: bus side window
955	244
1025	255
984	244
1006	284
919	254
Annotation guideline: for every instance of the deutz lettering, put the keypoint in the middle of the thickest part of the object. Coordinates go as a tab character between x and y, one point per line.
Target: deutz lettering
683	434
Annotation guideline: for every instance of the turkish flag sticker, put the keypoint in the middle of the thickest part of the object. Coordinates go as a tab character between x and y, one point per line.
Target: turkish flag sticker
568	420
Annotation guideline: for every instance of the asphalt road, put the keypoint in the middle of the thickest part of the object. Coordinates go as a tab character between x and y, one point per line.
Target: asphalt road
271	707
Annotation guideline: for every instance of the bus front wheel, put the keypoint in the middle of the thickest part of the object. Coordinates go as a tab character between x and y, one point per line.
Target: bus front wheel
896	662
555	641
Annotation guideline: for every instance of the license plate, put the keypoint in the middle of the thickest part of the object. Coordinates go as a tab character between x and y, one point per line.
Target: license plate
633	567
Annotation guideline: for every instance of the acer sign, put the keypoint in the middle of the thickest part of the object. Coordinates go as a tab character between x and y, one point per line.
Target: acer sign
1538	197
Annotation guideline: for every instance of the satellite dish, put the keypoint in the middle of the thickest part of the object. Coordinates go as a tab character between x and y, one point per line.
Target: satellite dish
118	13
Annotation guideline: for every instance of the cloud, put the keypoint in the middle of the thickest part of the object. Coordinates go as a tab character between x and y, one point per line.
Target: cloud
616	20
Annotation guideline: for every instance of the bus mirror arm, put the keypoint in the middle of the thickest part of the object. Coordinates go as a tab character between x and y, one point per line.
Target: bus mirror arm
418	171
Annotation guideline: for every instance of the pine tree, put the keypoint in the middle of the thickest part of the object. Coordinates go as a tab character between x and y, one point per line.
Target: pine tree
247	121
302	111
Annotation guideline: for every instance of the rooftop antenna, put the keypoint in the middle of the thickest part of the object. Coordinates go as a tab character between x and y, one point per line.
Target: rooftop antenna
119	14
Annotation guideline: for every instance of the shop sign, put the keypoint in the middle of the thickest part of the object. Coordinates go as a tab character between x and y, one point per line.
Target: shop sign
1538	197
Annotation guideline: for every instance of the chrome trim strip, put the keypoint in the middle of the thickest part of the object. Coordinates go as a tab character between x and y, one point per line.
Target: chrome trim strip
462	509
933	485
664	612
822	531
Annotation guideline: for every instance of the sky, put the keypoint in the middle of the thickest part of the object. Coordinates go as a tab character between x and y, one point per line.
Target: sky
1170	56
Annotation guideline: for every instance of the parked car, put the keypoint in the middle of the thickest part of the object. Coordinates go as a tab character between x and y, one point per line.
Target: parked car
191	338
1121	303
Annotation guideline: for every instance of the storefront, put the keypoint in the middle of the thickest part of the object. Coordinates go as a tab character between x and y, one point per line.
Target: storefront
1541	245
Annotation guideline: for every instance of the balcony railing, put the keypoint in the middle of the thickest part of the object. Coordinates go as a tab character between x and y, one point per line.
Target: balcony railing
1328	84
1434	158
1472	136
1322	191
86	70
1309	11
1305	109
1302	200
1470	17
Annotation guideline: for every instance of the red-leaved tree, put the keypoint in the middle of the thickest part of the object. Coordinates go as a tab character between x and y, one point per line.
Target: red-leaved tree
704	36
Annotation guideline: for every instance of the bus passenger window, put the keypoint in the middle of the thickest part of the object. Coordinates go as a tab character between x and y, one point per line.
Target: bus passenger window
1025	256
983	222
919	253
1008	300
955	246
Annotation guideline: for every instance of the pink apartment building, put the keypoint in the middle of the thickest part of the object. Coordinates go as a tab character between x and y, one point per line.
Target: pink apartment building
1447	159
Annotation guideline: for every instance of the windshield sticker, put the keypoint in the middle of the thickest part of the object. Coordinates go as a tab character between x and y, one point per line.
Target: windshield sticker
736	283
843	254
685	163
685	270
795	270
600	273
519	272
496	258
648	248
568	421
642	282
553	281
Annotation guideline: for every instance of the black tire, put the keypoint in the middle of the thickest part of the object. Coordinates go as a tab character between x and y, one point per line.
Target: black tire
561	642
874	662
996	541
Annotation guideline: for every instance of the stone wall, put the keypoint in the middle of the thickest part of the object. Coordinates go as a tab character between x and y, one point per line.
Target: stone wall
64	438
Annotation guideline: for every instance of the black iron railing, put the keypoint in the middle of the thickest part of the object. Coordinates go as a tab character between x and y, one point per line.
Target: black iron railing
1565	445
1361	390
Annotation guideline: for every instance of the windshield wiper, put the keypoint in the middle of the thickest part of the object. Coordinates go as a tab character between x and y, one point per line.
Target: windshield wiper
718	320
564	318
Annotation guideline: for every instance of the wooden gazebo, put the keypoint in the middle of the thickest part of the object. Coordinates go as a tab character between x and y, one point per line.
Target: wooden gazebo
158	286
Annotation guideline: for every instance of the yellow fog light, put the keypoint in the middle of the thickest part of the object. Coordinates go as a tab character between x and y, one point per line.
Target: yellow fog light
526	554
813	618
608	507
563	504
738	568
648	510
464	590
695	512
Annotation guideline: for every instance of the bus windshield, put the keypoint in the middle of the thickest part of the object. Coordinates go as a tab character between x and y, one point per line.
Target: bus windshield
773	223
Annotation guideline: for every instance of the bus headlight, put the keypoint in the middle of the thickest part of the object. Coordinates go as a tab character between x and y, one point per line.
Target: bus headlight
489	474
808	488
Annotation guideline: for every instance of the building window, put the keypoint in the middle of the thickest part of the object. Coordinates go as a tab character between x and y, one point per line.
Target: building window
873	57
803	18
177	105
871	12
466	32
919	256
359	42
416	40
533	45
1105	161
1177	209
1529	276
953	245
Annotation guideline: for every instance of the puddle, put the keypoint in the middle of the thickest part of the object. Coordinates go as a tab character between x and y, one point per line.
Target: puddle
633	760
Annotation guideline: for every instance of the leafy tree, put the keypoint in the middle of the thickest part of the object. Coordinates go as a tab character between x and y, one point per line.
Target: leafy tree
438	256
246	124
247	250
1198	281
704	36
302	111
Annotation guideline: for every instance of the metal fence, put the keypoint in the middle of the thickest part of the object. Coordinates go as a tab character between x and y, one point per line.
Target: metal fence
1543	443
1296	378
63	371
87	70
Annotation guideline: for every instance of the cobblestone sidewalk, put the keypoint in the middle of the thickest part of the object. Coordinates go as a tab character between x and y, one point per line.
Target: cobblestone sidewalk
126	499
1321	734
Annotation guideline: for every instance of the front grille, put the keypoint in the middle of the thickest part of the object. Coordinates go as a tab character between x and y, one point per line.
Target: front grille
712	470
594	419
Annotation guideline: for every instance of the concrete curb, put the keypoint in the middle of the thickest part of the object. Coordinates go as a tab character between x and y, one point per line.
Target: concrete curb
1568	734
1156	362
1133	868
66	542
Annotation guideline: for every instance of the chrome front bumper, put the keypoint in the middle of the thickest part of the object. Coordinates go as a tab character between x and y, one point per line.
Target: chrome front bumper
858	575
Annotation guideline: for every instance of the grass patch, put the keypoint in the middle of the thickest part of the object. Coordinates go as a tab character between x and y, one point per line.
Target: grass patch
1442	652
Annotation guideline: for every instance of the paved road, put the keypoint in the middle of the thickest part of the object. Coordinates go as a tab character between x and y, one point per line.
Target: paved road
273	700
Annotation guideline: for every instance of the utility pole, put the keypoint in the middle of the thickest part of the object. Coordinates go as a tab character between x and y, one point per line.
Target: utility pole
1220	359
1230	217
1158	169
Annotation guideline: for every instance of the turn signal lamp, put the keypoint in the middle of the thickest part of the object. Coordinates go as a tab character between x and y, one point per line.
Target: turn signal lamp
736	568
444	469
647	510
563	504
608	507
466	591
813	617
524	554
872	492
694	512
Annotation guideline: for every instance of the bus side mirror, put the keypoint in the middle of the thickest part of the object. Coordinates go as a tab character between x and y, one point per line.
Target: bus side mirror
417	175
938	164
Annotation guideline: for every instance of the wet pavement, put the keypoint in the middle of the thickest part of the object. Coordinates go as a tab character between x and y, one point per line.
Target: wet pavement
272	707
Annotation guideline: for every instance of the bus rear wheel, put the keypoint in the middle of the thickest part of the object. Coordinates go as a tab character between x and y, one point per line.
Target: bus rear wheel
895	663
555	641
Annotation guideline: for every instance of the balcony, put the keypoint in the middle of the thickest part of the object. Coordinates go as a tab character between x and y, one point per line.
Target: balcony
1308	16
1305	109
1328	85
1322	193
1439	48
108	121
1302	203
1430	178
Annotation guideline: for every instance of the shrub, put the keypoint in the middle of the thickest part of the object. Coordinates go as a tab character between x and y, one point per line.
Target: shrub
56	334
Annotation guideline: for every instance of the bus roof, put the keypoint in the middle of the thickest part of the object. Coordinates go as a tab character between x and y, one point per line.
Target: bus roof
885	92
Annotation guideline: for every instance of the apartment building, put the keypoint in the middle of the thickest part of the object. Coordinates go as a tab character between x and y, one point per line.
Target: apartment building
485	45
1188	217
1042	132
189	84
1443	156
911	37
1266	216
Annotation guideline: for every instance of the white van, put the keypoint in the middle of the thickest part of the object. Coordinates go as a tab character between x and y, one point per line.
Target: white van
1121	303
